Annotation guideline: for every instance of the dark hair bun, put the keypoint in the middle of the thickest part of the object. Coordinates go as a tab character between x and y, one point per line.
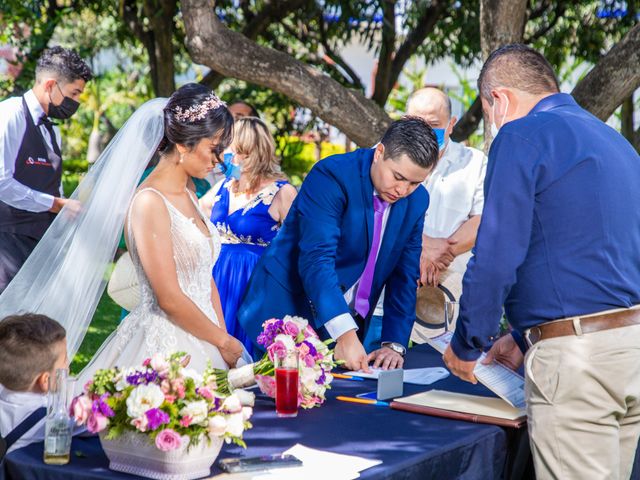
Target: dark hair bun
192	113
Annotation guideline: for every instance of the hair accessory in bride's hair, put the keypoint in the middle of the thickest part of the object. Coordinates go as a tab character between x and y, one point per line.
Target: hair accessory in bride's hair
199	111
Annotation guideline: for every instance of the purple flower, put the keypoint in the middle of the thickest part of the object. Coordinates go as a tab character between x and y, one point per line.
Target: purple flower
312	350
156	417
145	377
100	406
321	380
134	379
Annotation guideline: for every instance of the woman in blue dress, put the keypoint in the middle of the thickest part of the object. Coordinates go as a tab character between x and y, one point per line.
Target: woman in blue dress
248	212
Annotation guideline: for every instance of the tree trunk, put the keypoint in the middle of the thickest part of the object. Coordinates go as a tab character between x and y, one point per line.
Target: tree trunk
626	114
160	14
232	54
501	22
615	77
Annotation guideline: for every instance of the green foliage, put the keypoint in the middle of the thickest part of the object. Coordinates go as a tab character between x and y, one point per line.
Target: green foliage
298	157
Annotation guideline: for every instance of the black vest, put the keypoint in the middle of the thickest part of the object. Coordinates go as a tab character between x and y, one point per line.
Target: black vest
39	168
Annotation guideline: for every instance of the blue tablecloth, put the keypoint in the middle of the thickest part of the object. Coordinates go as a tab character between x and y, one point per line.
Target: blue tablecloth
409	445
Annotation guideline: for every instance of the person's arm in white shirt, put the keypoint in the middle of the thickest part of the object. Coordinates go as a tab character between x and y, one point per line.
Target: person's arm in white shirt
12	192
339	325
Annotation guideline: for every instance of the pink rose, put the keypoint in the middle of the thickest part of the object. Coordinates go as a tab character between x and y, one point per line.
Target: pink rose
167	440
165	386
81	407
303	349
88	385
291	328
185	421
267	385
169	398
178	387
141	423
271	321
276	349
97	422
310	332
205	393
309	361
146	362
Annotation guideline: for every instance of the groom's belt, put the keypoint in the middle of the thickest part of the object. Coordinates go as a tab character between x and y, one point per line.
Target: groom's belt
580	325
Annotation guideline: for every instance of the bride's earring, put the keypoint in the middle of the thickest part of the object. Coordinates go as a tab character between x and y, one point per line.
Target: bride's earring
181	158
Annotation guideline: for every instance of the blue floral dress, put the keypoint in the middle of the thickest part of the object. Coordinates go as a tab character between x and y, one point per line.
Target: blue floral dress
245	233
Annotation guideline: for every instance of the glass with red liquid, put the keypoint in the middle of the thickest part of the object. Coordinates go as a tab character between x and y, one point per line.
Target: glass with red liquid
287	384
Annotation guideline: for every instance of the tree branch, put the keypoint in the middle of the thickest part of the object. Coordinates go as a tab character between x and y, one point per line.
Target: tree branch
469	122
257	24
211	43
614	77
387	49
355	79
415	39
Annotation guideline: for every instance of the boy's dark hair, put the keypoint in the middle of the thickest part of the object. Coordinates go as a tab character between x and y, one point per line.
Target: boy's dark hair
27	348
64	64
517	66
413	137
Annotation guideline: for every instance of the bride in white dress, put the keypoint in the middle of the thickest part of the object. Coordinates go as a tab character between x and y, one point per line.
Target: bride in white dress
172	244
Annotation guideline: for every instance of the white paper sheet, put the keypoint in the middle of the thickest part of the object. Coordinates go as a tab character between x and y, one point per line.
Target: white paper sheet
501	380
416	376
332	466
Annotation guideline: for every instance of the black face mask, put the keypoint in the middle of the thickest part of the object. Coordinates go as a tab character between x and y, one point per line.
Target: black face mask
65	110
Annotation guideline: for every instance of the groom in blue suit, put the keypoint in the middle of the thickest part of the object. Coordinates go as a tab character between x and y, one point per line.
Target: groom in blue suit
354	228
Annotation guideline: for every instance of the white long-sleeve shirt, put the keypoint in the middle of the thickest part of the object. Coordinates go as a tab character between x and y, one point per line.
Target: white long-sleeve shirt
14	408
12	128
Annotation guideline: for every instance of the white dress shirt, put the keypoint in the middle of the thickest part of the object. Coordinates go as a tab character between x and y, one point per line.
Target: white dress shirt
456	193
345	322
16	407
12	128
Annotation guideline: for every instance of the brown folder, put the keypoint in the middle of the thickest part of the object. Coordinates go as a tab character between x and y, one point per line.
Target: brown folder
424	403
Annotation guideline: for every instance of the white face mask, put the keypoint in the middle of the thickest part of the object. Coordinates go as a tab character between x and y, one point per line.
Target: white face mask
494	127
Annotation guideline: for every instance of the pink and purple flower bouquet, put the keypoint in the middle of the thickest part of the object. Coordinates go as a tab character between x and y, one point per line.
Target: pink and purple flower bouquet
163	400
278	337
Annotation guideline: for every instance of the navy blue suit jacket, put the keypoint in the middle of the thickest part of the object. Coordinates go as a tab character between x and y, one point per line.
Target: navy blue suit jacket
323	246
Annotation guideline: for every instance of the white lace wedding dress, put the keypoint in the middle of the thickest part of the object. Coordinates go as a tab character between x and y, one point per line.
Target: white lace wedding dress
147	329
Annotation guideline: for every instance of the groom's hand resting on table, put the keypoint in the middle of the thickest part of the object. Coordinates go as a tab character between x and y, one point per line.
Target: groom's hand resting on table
231	350
386	359
349	349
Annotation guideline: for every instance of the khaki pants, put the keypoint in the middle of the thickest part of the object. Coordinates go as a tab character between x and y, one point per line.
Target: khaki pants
583	404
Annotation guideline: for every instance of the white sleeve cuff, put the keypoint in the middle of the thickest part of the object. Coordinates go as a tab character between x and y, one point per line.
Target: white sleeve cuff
340	325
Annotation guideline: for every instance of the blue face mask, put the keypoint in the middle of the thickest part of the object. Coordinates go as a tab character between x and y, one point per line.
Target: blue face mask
230	169
440	137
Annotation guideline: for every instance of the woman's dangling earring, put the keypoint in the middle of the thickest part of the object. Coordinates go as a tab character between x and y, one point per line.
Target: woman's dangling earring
181	158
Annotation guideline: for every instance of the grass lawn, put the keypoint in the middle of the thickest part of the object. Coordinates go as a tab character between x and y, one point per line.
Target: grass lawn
105	321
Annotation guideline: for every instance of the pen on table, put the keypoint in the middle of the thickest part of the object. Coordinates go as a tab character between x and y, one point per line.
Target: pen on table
366	401
347	377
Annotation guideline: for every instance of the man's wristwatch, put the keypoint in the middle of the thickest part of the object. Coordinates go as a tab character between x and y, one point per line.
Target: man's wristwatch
396	347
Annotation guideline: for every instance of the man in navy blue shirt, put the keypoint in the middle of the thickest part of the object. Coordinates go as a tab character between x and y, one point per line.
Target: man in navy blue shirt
559	248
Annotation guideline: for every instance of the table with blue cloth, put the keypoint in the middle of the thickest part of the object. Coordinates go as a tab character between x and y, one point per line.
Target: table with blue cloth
410	445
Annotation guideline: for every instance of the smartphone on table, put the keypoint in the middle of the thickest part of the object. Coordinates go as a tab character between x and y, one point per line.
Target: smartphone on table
264	462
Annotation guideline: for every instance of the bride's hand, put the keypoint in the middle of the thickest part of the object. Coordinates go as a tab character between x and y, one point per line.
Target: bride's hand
231	350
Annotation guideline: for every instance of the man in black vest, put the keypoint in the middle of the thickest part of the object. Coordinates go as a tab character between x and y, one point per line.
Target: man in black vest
30	159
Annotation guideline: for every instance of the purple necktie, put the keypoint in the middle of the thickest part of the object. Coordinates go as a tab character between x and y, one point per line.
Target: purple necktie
361	304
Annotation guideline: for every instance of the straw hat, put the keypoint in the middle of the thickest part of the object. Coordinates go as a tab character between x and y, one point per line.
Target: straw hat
123	287
430	306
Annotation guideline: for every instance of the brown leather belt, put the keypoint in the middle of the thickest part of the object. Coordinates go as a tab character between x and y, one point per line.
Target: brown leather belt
581	325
